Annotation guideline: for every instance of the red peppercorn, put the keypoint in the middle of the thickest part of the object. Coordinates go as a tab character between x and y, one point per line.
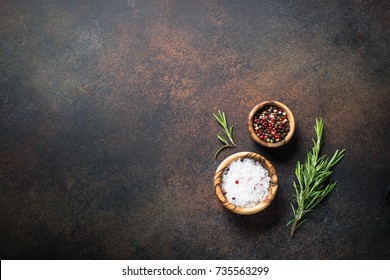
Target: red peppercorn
271	124
237	182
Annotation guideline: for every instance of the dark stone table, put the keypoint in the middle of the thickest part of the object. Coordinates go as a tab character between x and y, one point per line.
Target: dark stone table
107	132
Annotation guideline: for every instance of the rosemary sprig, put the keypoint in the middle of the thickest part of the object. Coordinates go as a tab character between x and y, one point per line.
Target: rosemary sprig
313	179
221	118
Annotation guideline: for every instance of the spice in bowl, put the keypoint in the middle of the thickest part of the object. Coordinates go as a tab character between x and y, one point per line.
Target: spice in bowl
245	183
271	124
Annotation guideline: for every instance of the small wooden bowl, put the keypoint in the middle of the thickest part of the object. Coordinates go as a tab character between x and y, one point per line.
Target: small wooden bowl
290	117
272	188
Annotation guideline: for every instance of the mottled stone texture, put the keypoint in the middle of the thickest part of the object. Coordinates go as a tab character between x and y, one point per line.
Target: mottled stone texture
107	134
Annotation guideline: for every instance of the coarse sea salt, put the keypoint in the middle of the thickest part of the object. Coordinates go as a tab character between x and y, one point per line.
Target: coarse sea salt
245	182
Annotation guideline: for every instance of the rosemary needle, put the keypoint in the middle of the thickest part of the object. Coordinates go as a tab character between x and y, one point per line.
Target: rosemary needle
313	180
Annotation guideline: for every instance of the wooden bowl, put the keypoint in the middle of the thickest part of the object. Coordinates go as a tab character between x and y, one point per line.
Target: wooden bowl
273	187
290	117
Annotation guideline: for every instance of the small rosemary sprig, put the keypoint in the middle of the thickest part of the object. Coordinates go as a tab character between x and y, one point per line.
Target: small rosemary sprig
228	132
313	179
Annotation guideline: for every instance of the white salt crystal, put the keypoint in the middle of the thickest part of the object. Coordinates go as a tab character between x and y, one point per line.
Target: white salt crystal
245	182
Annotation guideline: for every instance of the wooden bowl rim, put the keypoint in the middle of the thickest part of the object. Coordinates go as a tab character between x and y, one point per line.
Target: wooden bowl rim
290	117
272	188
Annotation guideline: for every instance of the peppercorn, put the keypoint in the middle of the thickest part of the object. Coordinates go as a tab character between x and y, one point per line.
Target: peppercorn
271	124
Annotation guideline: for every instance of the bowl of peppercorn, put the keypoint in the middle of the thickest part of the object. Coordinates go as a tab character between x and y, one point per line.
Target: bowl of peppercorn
271	124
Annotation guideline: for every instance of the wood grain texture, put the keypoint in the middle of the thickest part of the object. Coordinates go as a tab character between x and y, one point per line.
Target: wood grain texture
290	117
273	187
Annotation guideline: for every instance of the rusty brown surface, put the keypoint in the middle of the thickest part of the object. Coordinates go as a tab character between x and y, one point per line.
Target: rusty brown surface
107	133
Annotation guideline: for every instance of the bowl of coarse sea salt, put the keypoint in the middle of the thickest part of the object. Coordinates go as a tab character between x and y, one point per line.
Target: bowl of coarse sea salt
245	183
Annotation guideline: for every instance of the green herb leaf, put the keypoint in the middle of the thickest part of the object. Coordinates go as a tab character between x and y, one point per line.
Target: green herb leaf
221	118
313	179
223	140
